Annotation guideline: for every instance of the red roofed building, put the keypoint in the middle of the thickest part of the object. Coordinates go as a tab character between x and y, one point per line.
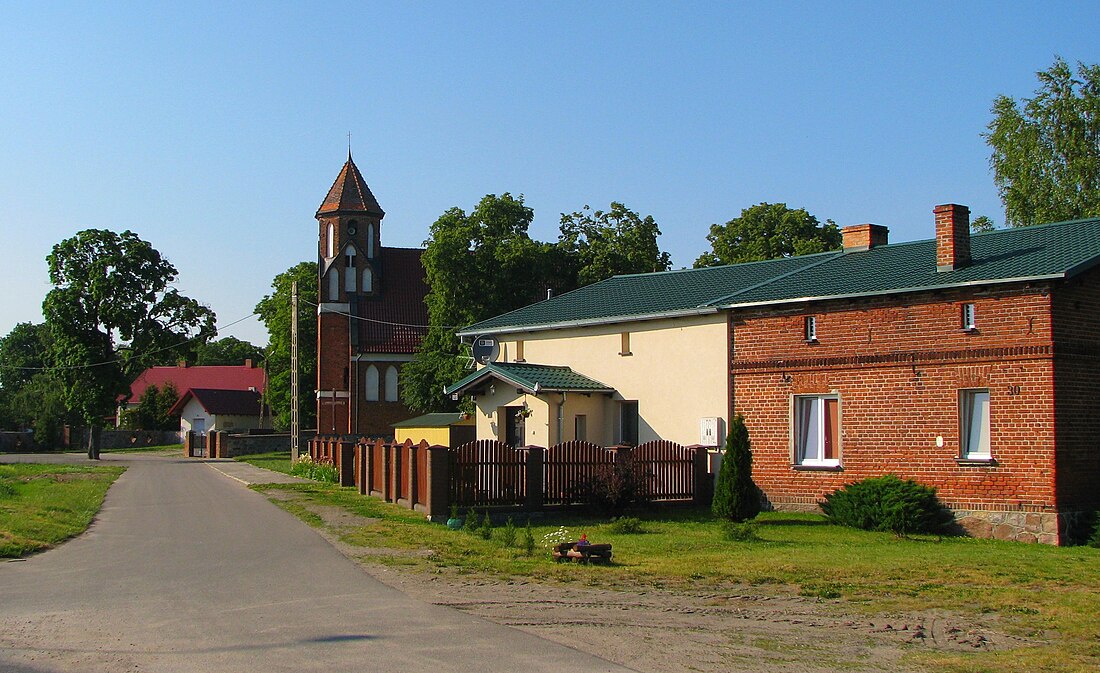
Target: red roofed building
371	315
183	377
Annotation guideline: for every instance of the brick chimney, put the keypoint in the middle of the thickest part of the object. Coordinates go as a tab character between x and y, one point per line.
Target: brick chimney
864	236
952	237
248	363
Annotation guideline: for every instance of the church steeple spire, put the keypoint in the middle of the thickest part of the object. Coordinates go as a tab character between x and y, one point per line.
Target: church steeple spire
350	194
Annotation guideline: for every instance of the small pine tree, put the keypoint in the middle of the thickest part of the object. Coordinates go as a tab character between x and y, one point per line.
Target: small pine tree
736	497
486	530
529	539
473	521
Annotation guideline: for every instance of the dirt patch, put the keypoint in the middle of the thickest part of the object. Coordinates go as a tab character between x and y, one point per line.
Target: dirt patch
733	627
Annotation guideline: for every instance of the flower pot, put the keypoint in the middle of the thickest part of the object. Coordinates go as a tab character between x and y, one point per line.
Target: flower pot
455	524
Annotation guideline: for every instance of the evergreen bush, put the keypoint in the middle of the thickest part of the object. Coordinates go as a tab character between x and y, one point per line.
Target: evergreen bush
473	521
887	503
529	539
508	534
736	497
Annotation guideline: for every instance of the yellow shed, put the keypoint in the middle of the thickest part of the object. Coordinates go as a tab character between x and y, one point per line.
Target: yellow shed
446	429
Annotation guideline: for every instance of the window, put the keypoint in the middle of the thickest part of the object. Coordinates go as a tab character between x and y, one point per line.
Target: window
330	241
968	317
368	280
334	284
349	274
974	424
372	384
624	348
628	423
391	384
817	430
580	428
810	328
519	350
370	240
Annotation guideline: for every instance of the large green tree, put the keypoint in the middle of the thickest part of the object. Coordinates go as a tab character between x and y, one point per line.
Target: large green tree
152	410
768	231
477	264
112	313
228	351
597	244
275	312
1046	153
31	394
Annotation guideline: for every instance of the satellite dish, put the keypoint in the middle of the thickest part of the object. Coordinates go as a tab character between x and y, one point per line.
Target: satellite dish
486	349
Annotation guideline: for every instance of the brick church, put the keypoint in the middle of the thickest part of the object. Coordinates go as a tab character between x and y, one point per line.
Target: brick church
371	314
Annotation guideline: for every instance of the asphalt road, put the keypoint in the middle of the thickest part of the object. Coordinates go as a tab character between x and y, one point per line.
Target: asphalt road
185	569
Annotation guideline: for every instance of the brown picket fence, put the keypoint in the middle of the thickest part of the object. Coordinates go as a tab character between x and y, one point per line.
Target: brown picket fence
488	473
568	466
668	467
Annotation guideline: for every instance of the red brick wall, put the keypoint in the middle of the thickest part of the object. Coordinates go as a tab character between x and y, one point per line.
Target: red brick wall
1076	308
897	364
333	373
375	419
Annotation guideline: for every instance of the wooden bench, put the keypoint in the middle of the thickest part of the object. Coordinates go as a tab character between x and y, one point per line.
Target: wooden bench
589	553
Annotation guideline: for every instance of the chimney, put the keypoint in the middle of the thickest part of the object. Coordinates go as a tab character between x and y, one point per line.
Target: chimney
181	363
952	237
864	236
248	364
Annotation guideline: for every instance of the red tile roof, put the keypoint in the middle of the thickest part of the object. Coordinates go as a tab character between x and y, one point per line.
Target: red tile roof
394	320
240	377
221	402
350	193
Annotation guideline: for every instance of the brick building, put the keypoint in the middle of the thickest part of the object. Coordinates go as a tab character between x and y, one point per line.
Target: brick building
969	363
371	312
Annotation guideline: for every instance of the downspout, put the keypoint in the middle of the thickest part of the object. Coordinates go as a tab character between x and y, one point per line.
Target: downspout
561	418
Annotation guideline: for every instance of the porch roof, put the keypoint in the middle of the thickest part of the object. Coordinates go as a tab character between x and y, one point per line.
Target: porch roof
531	378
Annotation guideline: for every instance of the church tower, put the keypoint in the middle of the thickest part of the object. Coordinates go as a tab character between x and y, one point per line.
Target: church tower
348	264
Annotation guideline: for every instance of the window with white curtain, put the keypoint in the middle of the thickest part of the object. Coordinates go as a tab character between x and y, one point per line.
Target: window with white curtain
333	284
817	430
974	424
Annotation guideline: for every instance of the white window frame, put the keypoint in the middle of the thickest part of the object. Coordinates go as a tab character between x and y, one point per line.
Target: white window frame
809	327
391	384
810	409
969	317
971	399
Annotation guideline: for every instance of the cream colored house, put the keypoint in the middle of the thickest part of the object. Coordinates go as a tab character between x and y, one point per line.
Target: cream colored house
624	361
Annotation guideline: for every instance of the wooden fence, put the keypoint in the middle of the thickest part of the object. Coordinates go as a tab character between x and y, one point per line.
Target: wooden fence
491	474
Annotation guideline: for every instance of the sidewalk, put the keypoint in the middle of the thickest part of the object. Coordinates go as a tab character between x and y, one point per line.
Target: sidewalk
250	474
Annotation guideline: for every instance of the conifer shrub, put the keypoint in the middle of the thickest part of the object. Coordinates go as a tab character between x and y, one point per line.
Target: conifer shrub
508	533
473	521
486	530
528	539
887	503
736	497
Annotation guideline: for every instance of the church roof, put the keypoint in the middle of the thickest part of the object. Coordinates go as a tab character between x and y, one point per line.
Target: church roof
350	193
394	320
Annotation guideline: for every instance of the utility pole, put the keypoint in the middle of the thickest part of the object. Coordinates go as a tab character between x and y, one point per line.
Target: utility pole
294	430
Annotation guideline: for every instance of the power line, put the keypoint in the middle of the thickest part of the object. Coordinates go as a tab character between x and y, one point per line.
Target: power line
384	322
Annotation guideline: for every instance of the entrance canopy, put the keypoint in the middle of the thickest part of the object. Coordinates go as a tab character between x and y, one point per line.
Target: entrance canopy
530	378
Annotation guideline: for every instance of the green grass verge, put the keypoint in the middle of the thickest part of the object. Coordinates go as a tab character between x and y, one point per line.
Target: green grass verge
163	448
43	505
279	461
1049	595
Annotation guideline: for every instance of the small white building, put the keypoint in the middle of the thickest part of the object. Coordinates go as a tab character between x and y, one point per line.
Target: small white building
204	410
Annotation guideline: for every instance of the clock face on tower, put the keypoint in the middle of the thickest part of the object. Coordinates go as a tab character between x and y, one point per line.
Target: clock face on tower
353	228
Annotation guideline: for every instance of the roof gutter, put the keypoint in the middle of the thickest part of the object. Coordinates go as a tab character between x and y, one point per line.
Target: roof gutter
611	320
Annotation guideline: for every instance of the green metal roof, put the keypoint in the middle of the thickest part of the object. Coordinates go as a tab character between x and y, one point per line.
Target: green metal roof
647	295
546	378
1048	251
436	420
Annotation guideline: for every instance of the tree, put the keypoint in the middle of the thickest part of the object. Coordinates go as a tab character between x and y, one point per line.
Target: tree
111	313
768	231
31	395
152	410
735	495
598	244
228	351
982	223
1046	156
24	352
275	312
477	265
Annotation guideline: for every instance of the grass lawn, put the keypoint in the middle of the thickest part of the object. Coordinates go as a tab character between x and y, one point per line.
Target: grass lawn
279	461
43	505
1049	595
164	448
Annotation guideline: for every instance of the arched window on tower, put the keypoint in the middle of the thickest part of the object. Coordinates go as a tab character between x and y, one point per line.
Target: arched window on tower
349	269
370	240
330	241
391	384
372	384
368	280
333	284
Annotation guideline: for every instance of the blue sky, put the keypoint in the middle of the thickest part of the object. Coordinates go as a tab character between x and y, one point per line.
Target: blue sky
214	130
